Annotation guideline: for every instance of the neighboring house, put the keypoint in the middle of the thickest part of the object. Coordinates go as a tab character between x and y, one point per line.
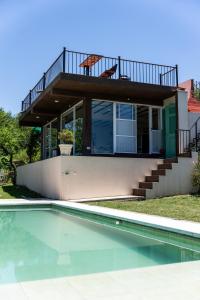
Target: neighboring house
131	128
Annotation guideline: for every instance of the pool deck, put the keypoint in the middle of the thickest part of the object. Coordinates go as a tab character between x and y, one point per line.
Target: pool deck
173	281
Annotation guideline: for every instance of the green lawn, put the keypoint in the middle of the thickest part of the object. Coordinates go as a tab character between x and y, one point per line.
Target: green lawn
186	207
10	191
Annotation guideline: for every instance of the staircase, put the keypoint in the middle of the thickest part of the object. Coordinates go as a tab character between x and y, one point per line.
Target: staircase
194	145
154	177
189	139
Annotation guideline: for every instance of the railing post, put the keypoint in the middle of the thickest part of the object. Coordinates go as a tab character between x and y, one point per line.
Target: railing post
177	75
30	98
44	81
177	143
196	142
64	51
189	145
160	79
119	67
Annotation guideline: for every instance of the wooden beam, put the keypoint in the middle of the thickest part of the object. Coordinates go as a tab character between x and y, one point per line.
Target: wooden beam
89	95
44	113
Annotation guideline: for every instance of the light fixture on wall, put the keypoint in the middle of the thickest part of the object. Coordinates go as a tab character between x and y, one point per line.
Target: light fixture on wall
128	99
37	117
56	101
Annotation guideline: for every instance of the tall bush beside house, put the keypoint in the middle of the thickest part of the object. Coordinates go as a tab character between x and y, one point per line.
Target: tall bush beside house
18	145
33	144
12	140
66	138
196	177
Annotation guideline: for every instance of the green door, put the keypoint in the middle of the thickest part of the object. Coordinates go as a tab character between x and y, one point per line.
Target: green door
169	126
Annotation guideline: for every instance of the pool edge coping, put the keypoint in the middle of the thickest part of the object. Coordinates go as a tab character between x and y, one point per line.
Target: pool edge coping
188	228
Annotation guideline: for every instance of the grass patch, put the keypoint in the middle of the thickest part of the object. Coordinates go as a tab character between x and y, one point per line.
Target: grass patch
183	207
10	191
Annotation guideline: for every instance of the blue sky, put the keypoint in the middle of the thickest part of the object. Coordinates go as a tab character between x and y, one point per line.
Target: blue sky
33	33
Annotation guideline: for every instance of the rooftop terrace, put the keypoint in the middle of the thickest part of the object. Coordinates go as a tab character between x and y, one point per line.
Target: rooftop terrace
99	66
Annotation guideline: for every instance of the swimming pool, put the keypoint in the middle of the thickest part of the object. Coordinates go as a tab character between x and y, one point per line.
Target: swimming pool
49	242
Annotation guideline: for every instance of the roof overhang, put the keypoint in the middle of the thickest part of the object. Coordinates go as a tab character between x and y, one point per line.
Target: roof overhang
68	89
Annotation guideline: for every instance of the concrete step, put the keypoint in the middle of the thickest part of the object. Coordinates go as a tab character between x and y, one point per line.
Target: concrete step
109	198
139	192
145	185
160	172
164	166
152	178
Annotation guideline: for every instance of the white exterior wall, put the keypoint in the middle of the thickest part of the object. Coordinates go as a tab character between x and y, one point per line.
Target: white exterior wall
192	119
81	177
77	177
42	177
183	117
193	116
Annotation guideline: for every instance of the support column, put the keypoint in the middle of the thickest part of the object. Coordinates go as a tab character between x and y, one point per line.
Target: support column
177	125
58	130
87	104
42	144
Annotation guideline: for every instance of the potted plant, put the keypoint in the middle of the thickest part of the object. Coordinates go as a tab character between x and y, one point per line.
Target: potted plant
66	138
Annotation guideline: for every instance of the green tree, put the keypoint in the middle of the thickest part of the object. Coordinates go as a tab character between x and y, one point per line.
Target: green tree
33	145
16	143
11	139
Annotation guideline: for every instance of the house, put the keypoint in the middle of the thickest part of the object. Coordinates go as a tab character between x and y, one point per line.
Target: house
131	128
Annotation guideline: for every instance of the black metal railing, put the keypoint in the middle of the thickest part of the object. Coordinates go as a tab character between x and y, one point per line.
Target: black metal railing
71	62
189	140
183	140
195	136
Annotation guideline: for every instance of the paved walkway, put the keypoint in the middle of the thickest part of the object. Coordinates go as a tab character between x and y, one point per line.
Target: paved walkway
166	282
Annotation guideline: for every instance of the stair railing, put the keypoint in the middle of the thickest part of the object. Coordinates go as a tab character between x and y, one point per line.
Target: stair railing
195	135
183	141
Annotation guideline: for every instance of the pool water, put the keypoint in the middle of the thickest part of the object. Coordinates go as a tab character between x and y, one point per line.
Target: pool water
39	244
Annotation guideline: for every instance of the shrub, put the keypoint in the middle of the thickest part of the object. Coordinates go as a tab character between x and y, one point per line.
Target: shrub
196	176
66	136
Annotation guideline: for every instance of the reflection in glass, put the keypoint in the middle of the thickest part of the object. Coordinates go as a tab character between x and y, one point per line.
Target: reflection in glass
125	128
47	141
79	130
54	138
67	121
102	127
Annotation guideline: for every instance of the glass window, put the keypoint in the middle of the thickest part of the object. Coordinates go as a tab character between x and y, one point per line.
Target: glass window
79	129
155	118
102	127
125	111
47	141
54	138
125	128
67	121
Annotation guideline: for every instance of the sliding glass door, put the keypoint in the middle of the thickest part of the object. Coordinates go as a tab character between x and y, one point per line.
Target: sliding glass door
125	128
156	129
102	127
73	120
143	139
113	127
